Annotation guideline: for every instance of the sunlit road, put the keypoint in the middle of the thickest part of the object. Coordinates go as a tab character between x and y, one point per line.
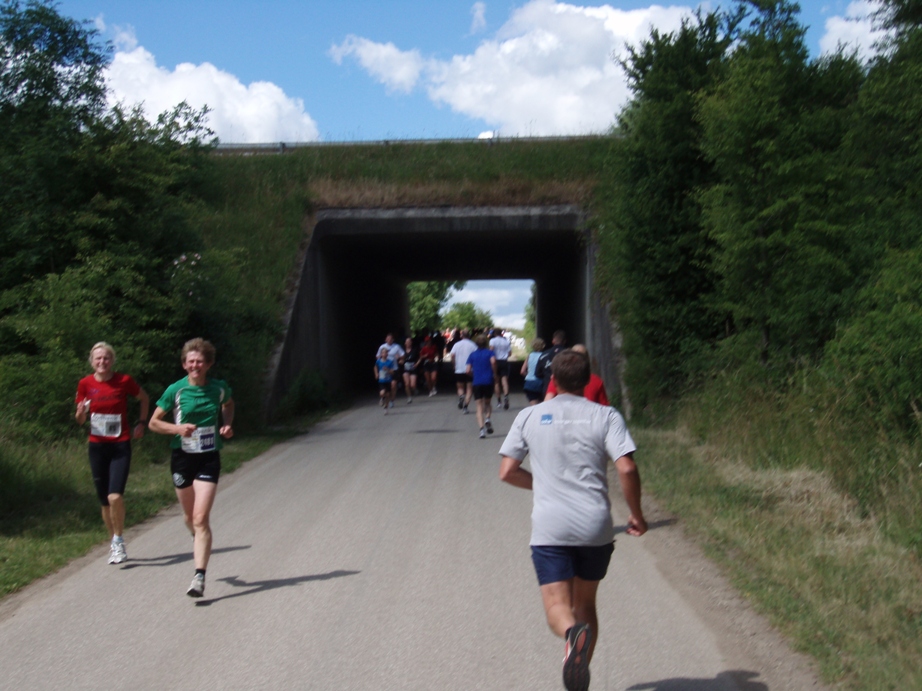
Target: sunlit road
379	552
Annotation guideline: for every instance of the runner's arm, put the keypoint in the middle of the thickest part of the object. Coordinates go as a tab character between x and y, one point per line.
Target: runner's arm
161	426
227	413
511	471
630	487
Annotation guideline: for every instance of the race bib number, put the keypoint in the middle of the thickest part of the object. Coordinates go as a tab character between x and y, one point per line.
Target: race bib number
201	440
105	425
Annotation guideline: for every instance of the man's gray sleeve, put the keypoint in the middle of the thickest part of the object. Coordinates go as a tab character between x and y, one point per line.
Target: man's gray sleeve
514	444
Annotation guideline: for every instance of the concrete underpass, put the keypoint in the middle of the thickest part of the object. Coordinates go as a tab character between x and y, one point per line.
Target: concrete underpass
353	279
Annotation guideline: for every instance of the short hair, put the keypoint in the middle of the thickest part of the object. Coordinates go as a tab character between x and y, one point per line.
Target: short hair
481	340
104	346
537	345
199	345
384	350
571	371
560	336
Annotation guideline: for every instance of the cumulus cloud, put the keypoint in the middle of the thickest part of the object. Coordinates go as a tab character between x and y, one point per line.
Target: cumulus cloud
855	30
549	70
505	300
398	70
258	112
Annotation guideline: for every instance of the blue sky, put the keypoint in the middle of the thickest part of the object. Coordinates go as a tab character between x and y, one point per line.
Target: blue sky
368	70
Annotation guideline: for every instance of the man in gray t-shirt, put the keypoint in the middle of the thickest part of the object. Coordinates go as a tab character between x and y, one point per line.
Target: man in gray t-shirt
569	441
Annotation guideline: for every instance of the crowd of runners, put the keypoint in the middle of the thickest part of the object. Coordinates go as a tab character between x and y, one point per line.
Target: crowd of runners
567	429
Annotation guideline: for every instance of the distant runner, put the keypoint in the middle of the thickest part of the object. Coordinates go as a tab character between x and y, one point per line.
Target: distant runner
481	367
501	348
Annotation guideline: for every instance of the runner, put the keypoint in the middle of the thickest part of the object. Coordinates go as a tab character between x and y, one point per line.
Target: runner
459	353
532	385
410	363
481	367
396	354
428	356
384	374
569	441
103	396
501	348
595	389
203	414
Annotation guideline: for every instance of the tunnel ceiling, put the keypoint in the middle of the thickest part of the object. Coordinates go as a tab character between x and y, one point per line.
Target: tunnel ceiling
453	243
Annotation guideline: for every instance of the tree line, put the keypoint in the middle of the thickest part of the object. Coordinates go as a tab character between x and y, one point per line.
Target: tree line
764	209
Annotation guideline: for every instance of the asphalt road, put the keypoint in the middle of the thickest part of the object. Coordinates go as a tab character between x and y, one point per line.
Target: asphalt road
380	552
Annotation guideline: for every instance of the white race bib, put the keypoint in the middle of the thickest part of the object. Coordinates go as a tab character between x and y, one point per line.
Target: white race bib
202	440
105	425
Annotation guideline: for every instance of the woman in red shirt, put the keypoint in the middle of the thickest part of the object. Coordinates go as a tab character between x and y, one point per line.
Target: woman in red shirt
595	389
102	397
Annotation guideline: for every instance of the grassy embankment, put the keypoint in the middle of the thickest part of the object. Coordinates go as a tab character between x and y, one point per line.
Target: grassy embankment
259	208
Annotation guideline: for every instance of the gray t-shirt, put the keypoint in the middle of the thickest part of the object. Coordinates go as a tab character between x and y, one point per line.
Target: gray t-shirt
569	440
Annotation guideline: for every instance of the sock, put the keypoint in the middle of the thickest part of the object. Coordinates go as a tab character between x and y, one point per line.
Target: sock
117	538
200	571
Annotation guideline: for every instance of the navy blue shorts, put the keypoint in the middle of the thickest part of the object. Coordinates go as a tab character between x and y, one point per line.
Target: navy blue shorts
555	563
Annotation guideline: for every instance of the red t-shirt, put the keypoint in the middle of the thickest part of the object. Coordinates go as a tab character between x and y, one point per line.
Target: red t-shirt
108	412
594	391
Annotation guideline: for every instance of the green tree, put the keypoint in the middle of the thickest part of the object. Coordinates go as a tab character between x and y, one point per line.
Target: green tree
778	217
652	235
51	90
426	299
466	315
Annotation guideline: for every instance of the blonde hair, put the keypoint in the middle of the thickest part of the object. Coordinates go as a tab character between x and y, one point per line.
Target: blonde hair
199	345
104	346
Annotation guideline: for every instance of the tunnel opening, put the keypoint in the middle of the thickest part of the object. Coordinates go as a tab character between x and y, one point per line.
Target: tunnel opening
353	278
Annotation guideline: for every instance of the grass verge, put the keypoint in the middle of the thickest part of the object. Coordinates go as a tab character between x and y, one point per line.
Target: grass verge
803	553
50	513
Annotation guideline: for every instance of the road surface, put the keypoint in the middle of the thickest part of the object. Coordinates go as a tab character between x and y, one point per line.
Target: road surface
380	552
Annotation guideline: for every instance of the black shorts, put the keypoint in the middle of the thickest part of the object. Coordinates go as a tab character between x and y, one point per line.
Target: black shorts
430	366
110	462
462	378
384	385
502	368
534	395
187	467
483	391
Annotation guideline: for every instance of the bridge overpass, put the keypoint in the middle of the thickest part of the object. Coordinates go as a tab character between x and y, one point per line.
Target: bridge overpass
353	278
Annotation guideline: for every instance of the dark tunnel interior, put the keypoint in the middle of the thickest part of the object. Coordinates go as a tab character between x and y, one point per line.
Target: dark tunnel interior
353	282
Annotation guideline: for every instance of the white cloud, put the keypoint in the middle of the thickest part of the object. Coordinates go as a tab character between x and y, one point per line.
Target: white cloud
510	321
479	17
548	71
258	112
398	70
855	30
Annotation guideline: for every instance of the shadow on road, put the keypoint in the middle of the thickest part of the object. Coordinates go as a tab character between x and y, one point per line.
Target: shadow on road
736	680
172	559
265	586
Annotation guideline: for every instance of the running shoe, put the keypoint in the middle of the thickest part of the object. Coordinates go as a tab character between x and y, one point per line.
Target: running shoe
505	402
409	401
390	405
466	411
117	553
489	426
197	587
576	658
483	434
460	402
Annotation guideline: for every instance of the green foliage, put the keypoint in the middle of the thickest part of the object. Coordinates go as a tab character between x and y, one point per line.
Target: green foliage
656	256
772	126
426	299
466	315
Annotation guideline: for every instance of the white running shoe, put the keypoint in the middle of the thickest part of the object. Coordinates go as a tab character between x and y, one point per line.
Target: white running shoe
197	587
117	553
483	433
